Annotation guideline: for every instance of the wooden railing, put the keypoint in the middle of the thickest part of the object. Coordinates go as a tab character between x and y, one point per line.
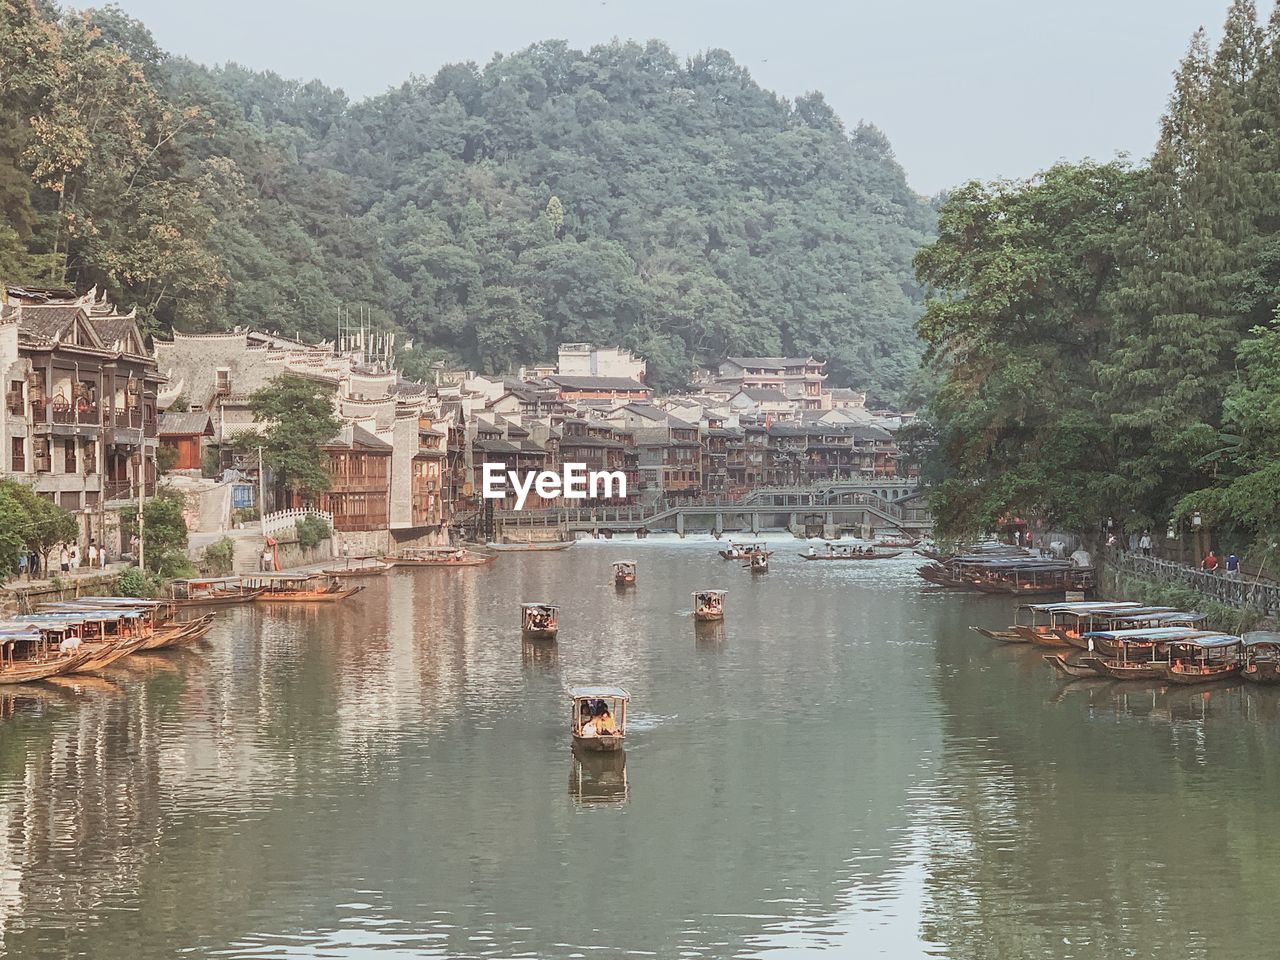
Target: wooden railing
1239	591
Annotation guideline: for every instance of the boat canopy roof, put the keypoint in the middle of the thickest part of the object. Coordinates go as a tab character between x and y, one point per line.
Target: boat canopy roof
707	593
1210	641
1162	615
1168	634
205	581
18	631
624	563
549	606
1087	606
83	614
1263	641
599	693
137	602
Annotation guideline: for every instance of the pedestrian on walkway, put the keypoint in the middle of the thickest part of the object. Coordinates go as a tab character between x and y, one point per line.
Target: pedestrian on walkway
1144	544
75	556
1210	562
1233	565
24	566
64	559
93	554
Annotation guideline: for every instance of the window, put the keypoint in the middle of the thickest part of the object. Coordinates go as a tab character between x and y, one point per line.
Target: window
18	455
69	456
69	501
223	380
41	454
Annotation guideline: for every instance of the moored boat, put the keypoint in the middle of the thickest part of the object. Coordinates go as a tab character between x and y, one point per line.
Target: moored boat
599	718
1083	668
708	605
1262	660
438	557
30	651
210	592
355	567
1204	659
299	588
538	621
1004	636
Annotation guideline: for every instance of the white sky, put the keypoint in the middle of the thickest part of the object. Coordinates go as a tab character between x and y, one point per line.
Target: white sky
963	88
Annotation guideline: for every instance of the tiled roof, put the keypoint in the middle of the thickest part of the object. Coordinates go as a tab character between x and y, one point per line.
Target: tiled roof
597	383
184	424
761	395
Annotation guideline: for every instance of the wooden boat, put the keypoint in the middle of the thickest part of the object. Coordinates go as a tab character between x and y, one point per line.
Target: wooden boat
1204	659
210	592
905	543
1004	636
538	621
299	588
110	653
708	605
359	567
532	546
1139	643
870	555
29	651
1262	660
181	634
1083	668
438	557
624	572
599	719
744	551
757	563
1021	575
1062	624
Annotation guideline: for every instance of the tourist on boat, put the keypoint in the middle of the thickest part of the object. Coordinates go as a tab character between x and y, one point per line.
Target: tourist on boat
813	551
1233	565
604	721
1210	562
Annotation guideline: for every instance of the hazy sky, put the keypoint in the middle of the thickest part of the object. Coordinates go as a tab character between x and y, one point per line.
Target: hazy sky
963	88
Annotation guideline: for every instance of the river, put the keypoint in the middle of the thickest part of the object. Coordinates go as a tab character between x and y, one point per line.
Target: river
845	767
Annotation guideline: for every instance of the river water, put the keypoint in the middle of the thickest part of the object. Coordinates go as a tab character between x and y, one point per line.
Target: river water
845	767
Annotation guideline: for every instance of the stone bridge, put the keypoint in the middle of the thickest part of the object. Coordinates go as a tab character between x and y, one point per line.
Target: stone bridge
829	508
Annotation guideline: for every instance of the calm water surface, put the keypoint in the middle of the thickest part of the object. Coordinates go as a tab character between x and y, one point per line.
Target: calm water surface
844	767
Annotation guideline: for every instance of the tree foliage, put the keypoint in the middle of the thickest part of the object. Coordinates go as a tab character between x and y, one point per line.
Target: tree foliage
617	194
1101	331
297	417
31	522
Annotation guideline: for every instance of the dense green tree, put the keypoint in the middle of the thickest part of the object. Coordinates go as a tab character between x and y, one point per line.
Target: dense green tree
296	417
1017	320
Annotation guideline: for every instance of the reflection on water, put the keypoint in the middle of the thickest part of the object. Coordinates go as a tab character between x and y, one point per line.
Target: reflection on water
840	764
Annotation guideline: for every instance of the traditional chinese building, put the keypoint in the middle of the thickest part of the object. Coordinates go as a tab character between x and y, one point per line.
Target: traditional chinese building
80	417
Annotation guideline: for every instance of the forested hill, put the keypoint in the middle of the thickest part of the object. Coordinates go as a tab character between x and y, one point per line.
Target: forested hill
621	195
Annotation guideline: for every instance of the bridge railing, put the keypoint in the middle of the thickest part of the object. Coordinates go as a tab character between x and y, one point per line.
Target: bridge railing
1239	591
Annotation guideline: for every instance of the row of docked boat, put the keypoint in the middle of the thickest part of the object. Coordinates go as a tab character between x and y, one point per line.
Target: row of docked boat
1006	570
89	634
1127	640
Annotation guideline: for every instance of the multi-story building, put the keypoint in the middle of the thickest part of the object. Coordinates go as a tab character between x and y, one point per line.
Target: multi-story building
599	388
586	360
800	379
359	494
80	411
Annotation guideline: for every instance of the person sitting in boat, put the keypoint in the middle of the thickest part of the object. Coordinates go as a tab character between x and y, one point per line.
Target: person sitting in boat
589	729
604	721
813	551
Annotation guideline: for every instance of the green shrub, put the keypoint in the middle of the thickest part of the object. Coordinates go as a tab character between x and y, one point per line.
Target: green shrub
219	557
133	583
311	530
166	457
172	563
